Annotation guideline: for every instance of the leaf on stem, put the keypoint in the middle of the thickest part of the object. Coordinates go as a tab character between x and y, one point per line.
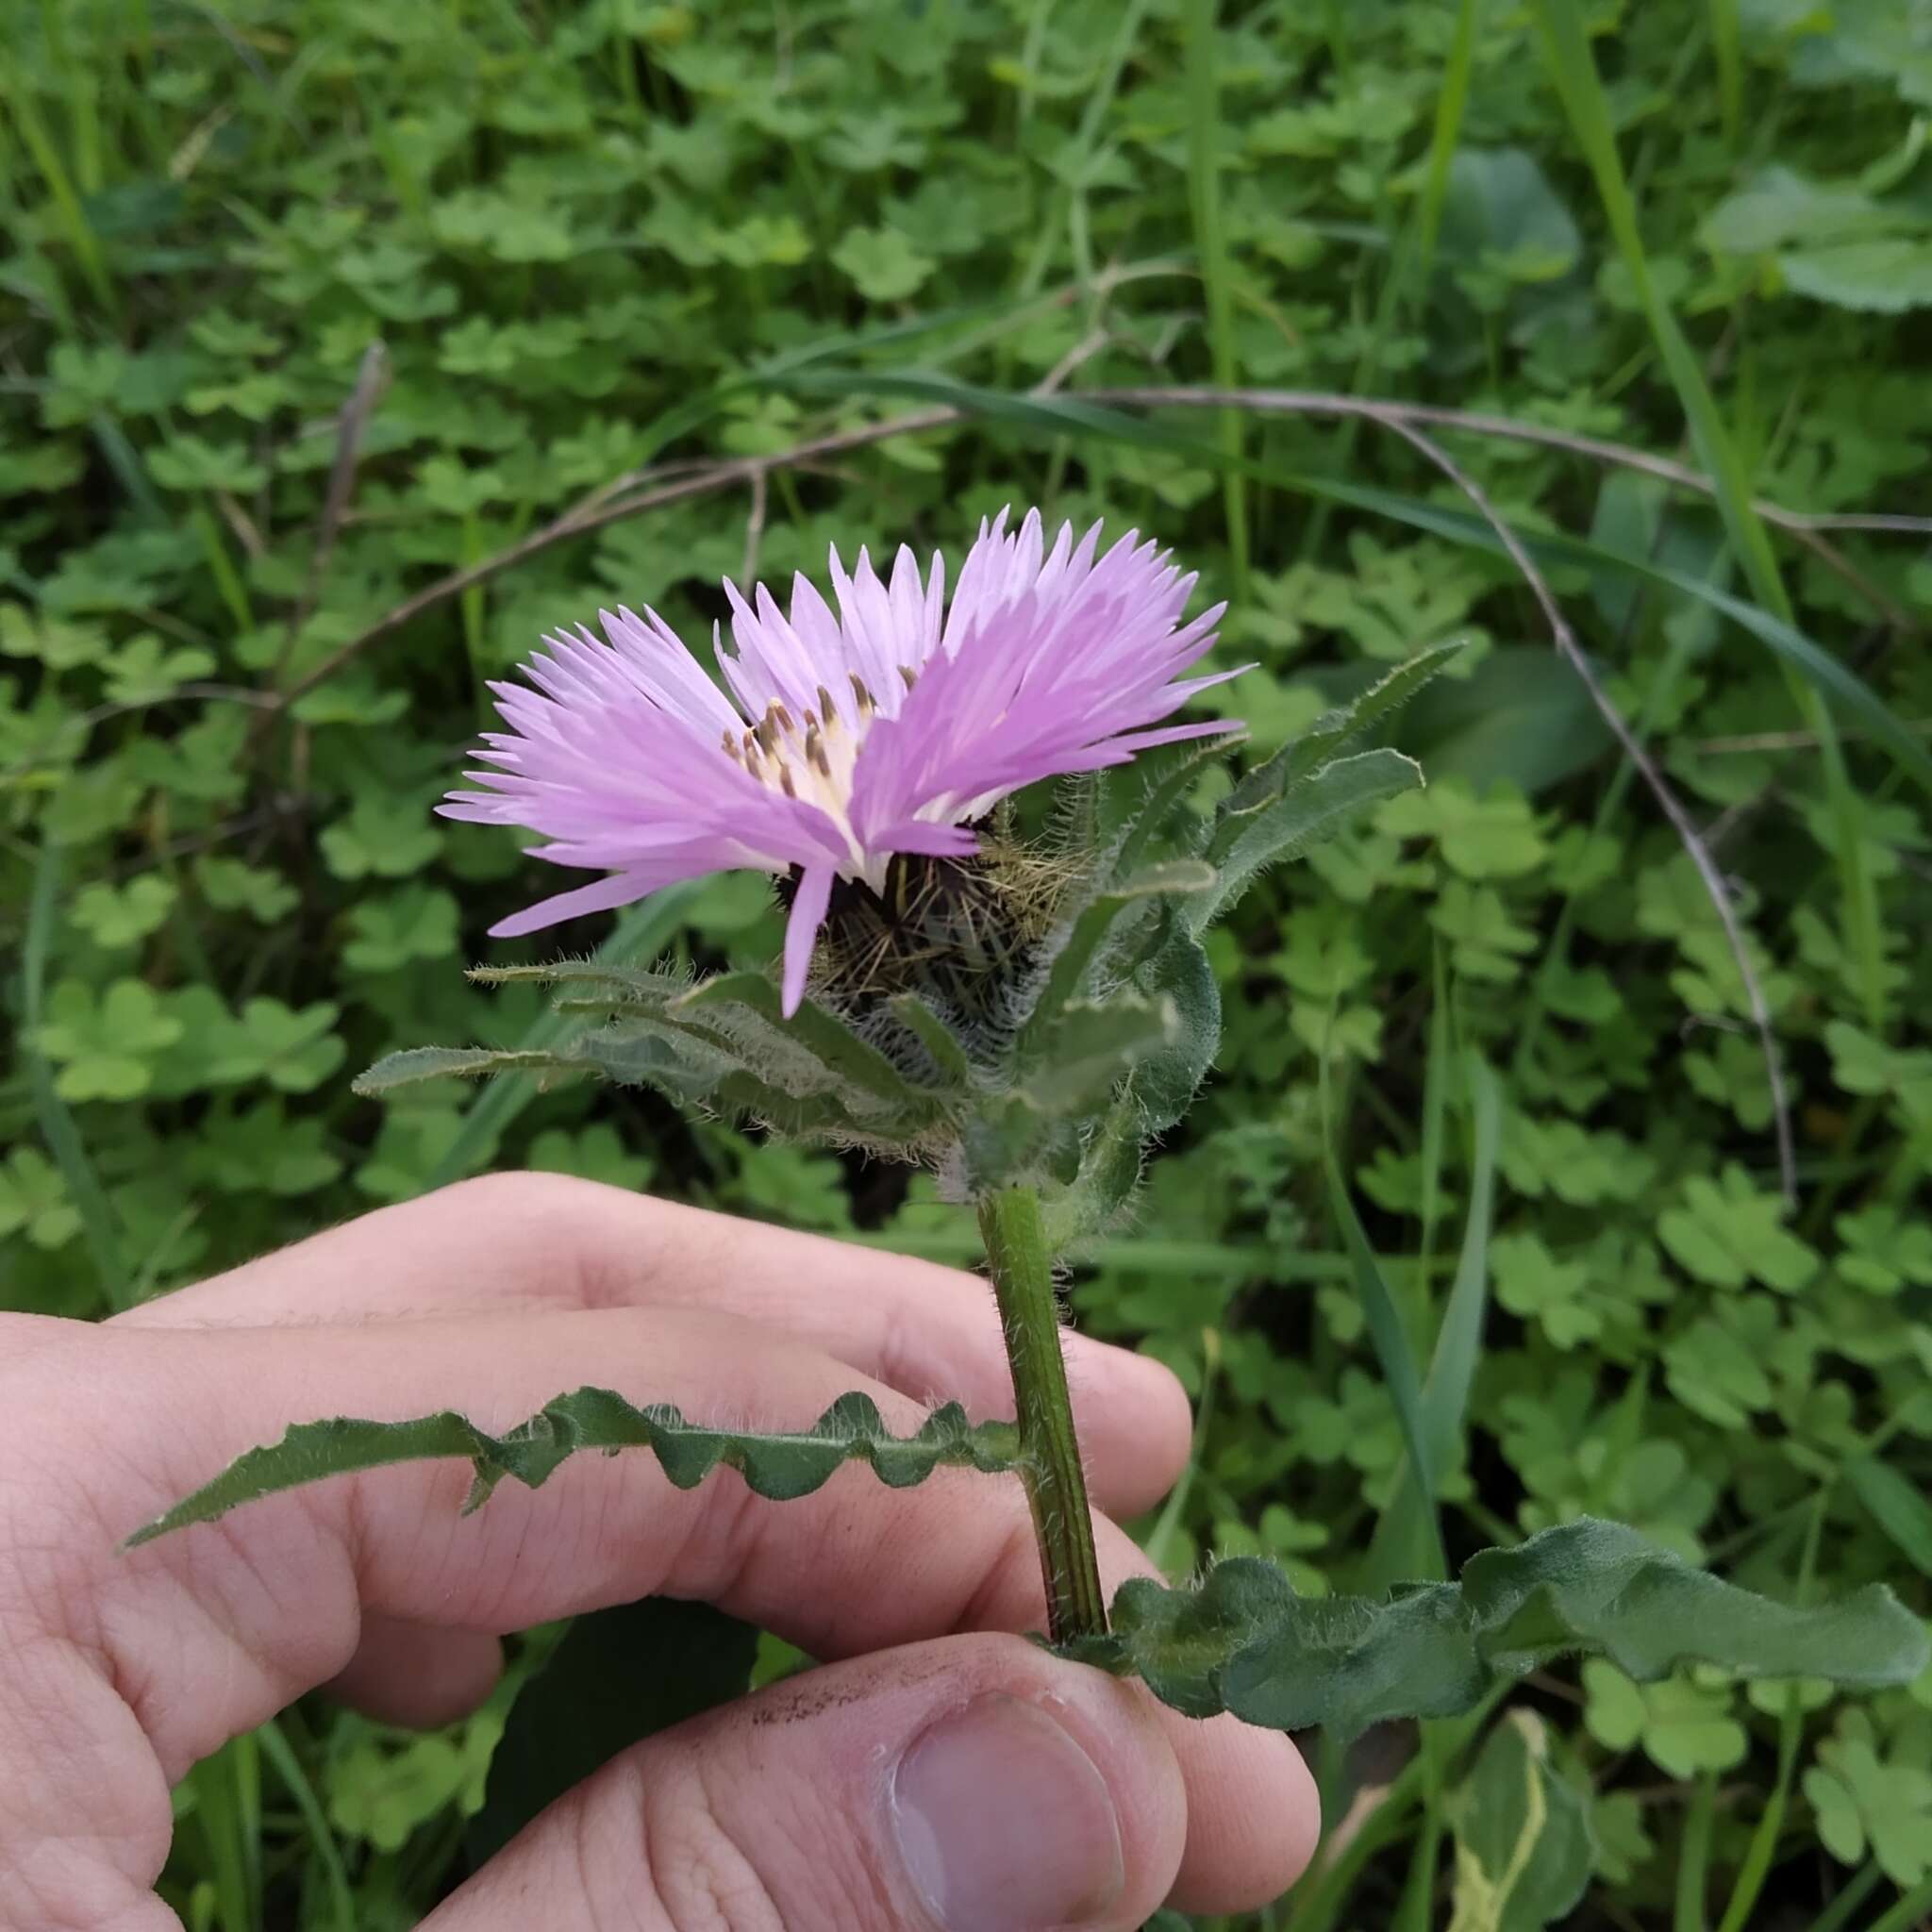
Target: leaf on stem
1243	1642
779	1465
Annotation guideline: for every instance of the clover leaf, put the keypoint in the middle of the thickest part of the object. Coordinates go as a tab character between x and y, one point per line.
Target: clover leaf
1884	1250
33	1200
885	266
120	916
1682	1726
1712	1369
191	462
258	1149
144	669
230	885
1532	1283
60	645
1493	837
1865	1801
1728	1232
293	1050
1484	942
104	1046
381	834
415	923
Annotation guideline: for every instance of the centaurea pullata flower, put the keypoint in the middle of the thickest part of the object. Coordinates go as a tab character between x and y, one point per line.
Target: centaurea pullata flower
839	740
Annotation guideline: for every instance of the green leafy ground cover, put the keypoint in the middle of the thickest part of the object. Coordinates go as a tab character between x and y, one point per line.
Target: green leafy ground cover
589	239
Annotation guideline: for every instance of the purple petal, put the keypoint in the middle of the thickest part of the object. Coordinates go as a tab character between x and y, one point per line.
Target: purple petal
602	896
802	930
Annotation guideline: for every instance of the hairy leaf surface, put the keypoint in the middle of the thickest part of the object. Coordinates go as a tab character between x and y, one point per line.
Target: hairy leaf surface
1245	1641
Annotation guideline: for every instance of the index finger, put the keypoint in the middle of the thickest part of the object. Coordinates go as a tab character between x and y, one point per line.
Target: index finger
536	1243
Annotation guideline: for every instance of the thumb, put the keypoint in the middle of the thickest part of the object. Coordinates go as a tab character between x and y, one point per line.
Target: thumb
969	1784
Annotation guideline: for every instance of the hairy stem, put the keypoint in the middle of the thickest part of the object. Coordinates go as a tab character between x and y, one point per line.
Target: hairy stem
1050	1466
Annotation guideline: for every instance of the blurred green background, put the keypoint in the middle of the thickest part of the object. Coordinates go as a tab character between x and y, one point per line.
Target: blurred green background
527	251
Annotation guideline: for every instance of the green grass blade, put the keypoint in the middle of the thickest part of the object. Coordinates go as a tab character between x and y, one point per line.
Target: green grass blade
1858	1889
1792	647
1725	40
1444	1399
1693	1857
1072	164
1435	1099
1459	1341
1909	1911
98	1220
1572	66
1386	1331
322	1837
221	567
1897	1505
227	1817
61	192
1445	136
1204	196
1761	1852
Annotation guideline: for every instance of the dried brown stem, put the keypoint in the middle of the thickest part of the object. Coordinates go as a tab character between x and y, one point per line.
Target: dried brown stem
1648	770
704	481
669	484
1805	527
1291	401
372	378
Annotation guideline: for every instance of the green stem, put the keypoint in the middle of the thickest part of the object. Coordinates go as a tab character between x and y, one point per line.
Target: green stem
1909	1911
1016	1254
1763	1847
1858	1889
1693	1856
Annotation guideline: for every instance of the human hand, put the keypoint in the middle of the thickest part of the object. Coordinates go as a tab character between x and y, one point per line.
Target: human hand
945	1778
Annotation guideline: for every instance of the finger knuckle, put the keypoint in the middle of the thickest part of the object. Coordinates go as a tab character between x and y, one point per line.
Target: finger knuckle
585	1231
521	1196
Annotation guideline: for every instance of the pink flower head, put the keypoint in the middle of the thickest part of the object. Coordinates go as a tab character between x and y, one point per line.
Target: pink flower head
839	740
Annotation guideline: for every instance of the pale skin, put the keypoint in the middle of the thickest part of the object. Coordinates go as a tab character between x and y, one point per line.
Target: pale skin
834	1801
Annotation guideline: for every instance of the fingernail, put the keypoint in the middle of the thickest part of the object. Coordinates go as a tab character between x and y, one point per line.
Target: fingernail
1005	1823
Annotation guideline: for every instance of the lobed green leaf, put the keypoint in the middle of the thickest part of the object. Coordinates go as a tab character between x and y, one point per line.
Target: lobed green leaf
1325	740
779	1465
1243	1642
1258	830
